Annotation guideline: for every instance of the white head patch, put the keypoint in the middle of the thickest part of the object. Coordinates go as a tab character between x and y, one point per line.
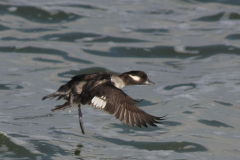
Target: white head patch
98	102
135	78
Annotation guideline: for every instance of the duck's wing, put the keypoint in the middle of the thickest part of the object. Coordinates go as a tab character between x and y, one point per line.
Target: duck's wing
114	101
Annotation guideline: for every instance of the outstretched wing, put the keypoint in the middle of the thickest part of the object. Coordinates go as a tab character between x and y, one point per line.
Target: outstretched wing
114	101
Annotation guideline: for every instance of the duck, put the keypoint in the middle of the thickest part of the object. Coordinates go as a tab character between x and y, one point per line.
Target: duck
103	91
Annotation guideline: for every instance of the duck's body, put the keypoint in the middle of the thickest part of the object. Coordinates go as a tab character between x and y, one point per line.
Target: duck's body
103	91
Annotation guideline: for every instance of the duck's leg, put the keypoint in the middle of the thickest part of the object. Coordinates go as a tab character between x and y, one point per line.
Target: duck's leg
68	104
80	118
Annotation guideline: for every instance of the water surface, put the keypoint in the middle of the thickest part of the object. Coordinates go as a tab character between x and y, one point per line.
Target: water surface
189	48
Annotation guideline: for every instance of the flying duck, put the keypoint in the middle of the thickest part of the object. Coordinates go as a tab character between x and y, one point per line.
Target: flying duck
103	91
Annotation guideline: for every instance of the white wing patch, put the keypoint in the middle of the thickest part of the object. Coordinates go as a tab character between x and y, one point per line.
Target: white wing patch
135	78
98	102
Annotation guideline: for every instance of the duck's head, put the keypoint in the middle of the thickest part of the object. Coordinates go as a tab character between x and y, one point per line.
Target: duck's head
135	77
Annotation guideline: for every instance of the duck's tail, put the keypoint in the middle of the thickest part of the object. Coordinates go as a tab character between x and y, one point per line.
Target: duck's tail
62	92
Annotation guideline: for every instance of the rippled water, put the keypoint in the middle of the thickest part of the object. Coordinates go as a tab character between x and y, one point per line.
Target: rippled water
189	48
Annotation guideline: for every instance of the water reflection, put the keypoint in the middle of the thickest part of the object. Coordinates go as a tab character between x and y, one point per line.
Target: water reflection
231	2
171	123
192	85
77	151
167	51
12	150
223	103
145	103
212	18
214	123
234	16
34	117
80	5
161	30
44	51
87	37
175	146
233	37
39	15
17	39
2	28
30	30
188	112
10	86
126	129
46	60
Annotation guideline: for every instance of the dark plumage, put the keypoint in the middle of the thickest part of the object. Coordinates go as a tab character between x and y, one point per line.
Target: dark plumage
103	91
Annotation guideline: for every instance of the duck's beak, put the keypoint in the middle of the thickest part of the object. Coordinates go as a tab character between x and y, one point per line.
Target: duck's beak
149	82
